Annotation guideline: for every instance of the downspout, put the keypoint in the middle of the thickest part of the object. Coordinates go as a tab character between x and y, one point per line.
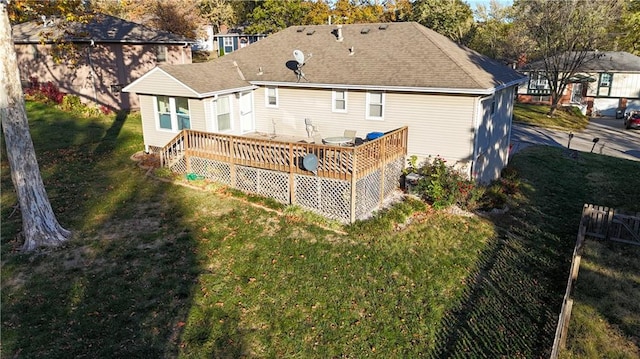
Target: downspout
92	73
186	44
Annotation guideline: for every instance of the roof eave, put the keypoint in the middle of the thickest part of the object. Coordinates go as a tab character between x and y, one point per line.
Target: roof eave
457	91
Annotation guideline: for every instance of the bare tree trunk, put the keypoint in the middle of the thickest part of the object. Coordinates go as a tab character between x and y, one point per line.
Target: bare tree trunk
39	224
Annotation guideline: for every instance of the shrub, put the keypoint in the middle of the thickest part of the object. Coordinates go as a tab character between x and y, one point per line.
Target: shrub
442	185
47	92
72	103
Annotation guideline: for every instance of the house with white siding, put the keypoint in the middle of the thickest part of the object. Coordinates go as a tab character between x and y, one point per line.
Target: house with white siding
606	83
456	103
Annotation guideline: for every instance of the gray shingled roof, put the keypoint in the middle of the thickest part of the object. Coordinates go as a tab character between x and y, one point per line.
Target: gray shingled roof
601	61
101	28
404	56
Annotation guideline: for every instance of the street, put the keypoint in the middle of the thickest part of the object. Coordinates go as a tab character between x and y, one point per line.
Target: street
614	140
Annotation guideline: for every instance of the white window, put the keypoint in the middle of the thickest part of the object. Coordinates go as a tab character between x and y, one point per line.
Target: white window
271	96
605	79
223	114
228	44
182	113
375	105
339	100
172	113
537	81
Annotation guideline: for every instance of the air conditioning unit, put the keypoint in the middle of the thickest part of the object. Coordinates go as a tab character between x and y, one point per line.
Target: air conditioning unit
411	180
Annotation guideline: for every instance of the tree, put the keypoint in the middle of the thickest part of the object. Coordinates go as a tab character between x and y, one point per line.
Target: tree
39	224
626	31
562	34
451	18
217	13
180	17
494	35
274	15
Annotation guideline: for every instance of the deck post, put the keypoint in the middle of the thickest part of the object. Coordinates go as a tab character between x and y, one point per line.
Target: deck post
186	150
232	162
354	181
292	195
383	161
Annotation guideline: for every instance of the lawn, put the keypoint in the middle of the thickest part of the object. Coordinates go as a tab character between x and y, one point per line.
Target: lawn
157	269
605	320
564	118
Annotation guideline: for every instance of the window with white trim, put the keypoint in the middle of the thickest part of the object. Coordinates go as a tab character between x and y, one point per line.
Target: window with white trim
375	105
538	81
172	113
182	113
605	79
227	42
339	100
271	96
223	114
164	112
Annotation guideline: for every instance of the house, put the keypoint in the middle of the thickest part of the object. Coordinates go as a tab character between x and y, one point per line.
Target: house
226	41
607	82
111	53
324	79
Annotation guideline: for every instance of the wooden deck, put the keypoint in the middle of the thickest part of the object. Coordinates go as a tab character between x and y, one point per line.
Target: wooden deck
337	162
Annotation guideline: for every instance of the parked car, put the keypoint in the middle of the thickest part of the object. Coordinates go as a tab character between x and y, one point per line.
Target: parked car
632	120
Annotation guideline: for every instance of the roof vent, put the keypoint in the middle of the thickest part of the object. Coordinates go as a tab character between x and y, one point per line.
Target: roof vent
338	33
383	27
364	30
300	29
352	51
311	32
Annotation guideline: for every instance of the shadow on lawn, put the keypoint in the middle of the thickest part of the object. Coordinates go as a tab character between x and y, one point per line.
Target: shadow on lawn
512	305
122	286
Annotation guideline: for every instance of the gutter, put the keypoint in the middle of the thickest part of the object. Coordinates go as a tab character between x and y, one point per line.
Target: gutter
462	91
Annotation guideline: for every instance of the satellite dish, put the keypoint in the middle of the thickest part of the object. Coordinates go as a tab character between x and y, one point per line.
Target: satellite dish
299	56
310	163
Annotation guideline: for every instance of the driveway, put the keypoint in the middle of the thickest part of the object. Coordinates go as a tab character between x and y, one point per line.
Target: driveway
614	140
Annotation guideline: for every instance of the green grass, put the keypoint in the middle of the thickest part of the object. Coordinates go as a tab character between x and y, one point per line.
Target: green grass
564	118
605	320
160	270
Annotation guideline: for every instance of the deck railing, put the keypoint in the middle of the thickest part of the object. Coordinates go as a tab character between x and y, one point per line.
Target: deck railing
338	162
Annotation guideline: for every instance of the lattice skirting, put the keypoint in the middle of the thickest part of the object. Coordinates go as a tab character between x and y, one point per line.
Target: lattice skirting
328	197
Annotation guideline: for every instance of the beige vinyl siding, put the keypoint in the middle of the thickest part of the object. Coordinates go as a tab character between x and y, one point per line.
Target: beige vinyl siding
625	85
159	83
492	135
438	124
197	114
159	138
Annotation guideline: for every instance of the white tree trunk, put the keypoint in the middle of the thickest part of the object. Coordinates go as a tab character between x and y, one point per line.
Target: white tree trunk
39	224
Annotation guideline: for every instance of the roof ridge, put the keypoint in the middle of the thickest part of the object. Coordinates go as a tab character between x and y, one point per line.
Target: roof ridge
437	44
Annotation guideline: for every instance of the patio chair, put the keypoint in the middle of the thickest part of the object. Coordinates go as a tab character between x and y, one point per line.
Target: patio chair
352	135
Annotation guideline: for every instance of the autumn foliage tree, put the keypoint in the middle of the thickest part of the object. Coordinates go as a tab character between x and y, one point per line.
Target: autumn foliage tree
40	226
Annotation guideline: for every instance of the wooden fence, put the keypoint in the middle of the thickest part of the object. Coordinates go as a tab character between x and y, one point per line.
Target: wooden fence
609	224
348	180
600	223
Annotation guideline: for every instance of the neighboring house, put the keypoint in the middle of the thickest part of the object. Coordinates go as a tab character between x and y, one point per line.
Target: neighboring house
226	41
605	83
457	103
111	53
